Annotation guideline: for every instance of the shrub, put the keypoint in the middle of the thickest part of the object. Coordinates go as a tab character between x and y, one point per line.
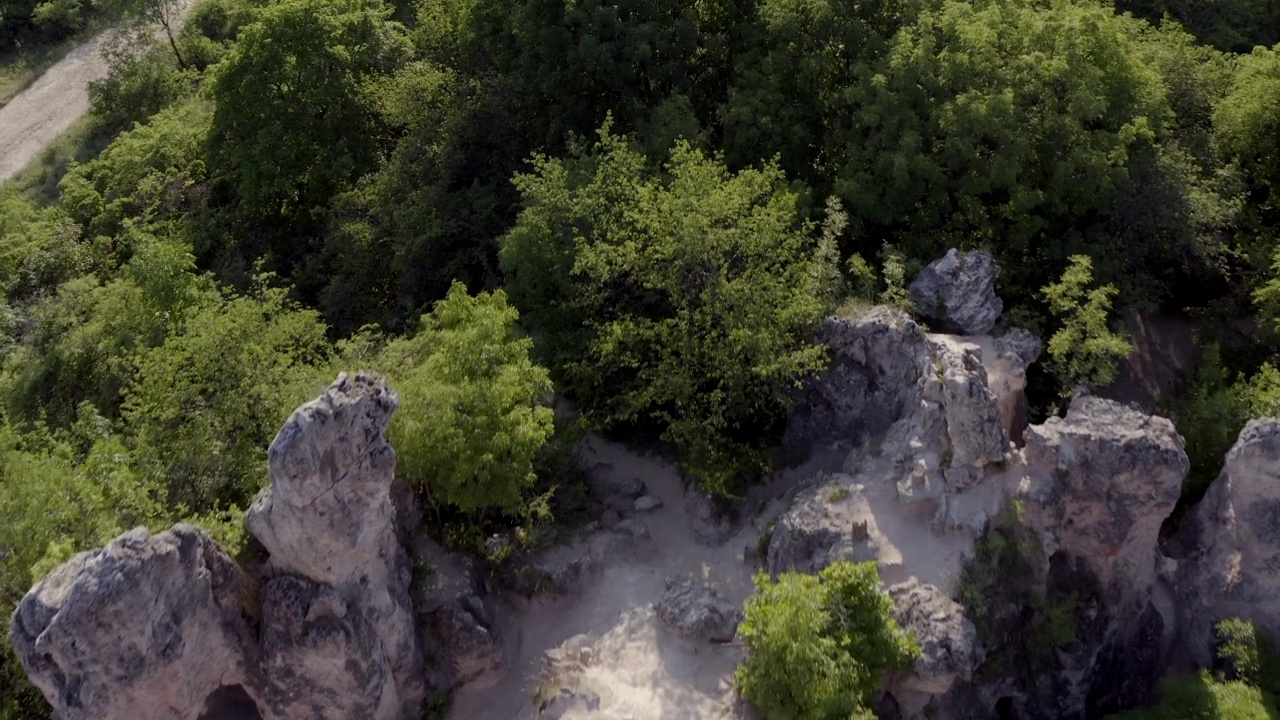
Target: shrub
819	645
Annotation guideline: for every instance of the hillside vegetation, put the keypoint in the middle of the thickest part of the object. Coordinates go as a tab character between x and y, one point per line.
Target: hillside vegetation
643	206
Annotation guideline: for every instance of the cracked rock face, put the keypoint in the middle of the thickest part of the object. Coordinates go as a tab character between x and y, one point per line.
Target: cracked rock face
697	612
877	361
957	293
143	629
1234	570
948	641
328	518
1108	476
163	626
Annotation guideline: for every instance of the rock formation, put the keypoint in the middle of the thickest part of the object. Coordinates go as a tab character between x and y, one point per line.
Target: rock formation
949	649
145	628
328	522
872	380
956	293
152	625
697	612
1108	477
1232	568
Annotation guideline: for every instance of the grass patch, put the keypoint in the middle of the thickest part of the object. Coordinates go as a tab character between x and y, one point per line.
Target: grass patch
19	68
38	181
1198	696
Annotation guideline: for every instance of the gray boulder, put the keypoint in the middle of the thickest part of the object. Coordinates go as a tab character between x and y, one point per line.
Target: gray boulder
878	361
818	529
1106	478
957	293
948	641
696	611
1233	567
145	628
328	516
974	428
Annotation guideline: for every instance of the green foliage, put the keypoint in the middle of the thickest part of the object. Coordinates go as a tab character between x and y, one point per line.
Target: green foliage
1084	350
1230	25
205	404
473	414
819	645
1004	123
1197	696
802	78
139	86
681	301
39	249
1247	124
294	122
152	174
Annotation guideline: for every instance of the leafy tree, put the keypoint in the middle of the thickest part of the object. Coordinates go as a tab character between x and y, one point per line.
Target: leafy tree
1008	123
682	301
473	413
1084	350
1231	25
293	122
802	78
204	405
819	645
1248	123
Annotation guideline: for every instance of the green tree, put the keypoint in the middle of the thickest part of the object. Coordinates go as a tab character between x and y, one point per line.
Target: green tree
294	122
802	77
682	301
818	646
204	405
1084	350
1008	123
1248	122
473	406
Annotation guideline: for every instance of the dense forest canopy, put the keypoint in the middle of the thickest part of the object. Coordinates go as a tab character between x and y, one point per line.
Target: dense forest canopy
643	206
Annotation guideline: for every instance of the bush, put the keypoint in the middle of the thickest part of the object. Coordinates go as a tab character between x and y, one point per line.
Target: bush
1084	350
682	302
473	414
818	646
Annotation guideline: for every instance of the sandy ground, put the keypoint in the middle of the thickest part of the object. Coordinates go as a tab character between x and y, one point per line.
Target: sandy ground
638	670
35	117
641	671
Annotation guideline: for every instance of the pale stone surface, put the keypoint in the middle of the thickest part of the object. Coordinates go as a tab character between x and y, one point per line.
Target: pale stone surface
329	517
145	628
948	642
957	293
696	611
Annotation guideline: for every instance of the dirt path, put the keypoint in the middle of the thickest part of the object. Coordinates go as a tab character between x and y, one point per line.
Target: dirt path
35	117
642	671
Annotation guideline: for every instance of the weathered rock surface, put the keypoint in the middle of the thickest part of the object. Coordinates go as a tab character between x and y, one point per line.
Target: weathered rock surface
696	611
1107	476
1233	569
949	648
815	532
877	361
157	626
328	517
1014	352
145	628
974	429
956	293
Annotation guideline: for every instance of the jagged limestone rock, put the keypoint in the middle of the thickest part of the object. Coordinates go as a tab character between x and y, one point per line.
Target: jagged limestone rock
328	516
975	433
145	628
695	611
166	625
1105	479
1233	569
949	648
957	293
878	359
